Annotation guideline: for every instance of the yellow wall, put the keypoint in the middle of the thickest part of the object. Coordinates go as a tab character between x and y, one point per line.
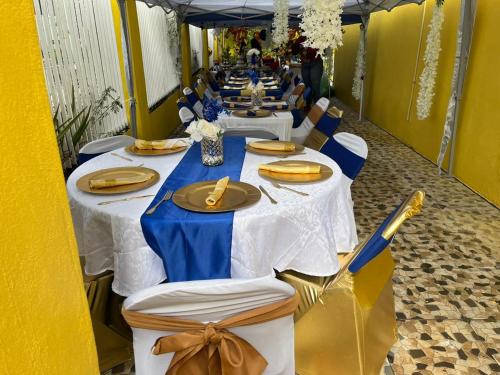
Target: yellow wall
45	325
392	47
162	120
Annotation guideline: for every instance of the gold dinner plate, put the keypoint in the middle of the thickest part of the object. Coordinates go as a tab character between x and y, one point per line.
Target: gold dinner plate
237	195
258	113
83	182
298	149
297	178
234	87
137	151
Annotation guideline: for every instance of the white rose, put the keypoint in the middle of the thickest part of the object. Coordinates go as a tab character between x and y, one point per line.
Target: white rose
194	130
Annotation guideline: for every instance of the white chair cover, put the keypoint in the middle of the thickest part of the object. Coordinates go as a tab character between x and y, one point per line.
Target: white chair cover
194	101
212	301
186	116
356	145
292	99
107	144
300	134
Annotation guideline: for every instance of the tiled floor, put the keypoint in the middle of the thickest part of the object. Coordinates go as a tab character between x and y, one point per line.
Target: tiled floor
447	277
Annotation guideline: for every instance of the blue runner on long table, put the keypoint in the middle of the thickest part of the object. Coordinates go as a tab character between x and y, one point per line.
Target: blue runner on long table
194	246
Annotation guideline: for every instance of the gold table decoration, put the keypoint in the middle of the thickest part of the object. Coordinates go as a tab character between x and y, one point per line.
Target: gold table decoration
299	149
83	182
137	151
297	178
258	113
236	196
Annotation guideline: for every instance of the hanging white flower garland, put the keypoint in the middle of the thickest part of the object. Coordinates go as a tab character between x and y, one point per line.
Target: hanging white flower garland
427	79
359	67
322	24
280	22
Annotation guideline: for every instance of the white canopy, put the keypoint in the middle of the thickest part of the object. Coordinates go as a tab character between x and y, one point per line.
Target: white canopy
210	13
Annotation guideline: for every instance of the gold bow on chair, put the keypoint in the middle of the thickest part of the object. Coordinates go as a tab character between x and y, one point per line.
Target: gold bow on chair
210	348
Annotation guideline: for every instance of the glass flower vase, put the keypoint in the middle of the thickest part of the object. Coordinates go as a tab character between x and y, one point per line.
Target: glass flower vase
256	98
212	151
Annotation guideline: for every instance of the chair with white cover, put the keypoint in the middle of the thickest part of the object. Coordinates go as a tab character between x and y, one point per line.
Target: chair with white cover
186	116
194	101
298	90
300	134
183	321
100	146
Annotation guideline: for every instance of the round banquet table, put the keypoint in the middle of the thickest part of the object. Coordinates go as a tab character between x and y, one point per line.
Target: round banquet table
299	233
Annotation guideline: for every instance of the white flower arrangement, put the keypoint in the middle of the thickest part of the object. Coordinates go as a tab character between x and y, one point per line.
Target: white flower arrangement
280	22
359	68
203	129
427	80
322	24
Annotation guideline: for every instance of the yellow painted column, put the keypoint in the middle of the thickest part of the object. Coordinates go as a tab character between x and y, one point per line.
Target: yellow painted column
45	325
144	129
216	48
204	45
186	56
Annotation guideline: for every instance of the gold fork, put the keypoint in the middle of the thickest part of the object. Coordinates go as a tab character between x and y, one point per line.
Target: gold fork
125	199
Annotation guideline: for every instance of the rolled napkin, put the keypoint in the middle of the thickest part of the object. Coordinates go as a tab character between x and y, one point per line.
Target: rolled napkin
273	146
216	194
291	168
165	144
104	183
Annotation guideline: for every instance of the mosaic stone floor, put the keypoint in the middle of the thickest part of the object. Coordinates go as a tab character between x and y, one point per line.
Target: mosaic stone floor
447	276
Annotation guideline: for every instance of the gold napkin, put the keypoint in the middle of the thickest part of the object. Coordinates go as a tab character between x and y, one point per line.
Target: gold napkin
111	182
165	144
273	146
216	195
291	168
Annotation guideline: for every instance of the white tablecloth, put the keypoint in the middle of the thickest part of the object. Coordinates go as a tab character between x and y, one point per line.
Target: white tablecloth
279	124
300	233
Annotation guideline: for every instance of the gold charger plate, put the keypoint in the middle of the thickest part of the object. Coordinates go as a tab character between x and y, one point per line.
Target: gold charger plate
237	195
297	178
136	151
83	182
298	149
258	113
271	100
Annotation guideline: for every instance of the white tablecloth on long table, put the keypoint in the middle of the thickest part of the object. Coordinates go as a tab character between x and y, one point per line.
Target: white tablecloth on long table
279	124
299	233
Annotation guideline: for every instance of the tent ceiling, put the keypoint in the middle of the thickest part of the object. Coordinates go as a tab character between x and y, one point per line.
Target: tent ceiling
210	13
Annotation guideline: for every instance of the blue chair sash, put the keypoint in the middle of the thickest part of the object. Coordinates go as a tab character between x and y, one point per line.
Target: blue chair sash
82	157
375	245
350	163
328	124
194	246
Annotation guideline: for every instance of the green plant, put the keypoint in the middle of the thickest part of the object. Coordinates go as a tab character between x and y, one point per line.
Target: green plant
108	102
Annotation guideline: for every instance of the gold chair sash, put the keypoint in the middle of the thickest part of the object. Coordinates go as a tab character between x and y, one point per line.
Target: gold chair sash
210	348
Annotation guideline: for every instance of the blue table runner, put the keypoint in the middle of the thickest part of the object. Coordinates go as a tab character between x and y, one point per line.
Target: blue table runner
194	246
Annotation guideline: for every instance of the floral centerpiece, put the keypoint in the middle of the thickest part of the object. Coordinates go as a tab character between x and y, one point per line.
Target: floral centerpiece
209	133
256	88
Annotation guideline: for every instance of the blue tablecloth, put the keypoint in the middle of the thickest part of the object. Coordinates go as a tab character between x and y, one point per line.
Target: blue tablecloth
194	246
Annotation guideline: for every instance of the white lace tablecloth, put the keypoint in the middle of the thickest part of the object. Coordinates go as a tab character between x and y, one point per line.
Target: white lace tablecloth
280	124
299	233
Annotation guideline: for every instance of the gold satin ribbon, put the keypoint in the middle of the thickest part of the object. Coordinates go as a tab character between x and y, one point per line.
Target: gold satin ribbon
210	348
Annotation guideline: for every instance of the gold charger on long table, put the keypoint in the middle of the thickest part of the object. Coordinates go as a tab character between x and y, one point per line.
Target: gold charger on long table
237	195
258	113
137	151
83	182
297	178
298	150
